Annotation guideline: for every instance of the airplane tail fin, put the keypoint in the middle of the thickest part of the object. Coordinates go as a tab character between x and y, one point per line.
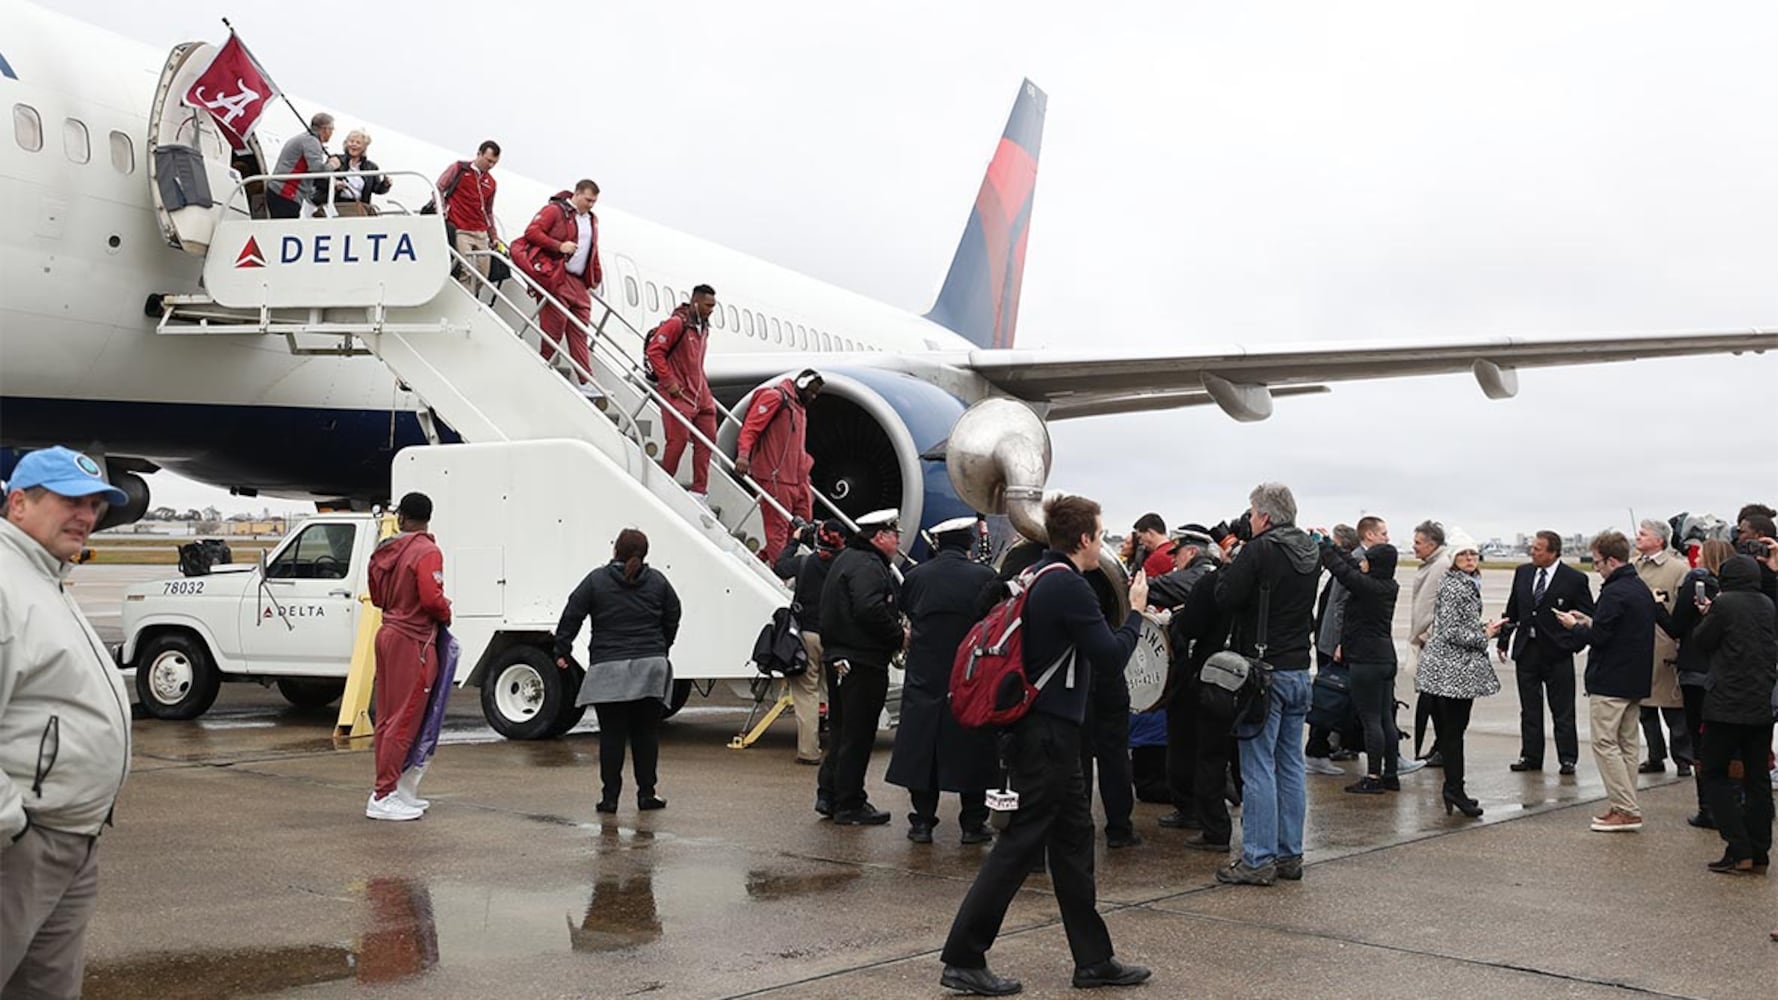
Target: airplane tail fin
980	298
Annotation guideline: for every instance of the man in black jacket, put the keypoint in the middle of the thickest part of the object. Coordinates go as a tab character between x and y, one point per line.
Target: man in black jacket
1543	651
1270	591
809	689
1041	752
1740	634
861	630
1621	634
1200	746
932	752
1196	557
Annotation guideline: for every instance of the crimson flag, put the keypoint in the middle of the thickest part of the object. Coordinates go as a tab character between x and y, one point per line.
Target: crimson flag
234	90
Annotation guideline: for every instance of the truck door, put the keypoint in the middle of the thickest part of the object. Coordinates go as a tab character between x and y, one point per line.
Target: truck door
301	618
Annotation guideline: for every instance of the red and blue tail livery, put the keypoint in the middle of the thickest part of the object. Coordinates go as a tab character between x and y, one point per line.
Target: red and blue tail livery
980	298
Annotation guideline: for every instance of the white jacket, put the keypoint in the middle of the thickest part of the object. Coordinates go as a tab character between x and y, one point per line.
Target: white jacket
64	716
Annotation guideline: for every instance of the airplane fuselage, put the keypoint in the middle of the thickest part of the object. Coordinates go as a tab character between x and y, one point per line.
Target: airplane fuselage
83	253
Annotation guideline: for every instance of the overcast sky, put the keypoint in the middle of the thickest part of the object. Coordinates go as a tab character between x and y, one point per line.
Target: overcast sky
1212	173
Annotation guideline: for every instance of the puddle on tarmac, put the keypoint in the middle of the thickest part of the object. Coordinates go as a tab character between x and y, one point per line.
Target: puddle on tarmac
395	930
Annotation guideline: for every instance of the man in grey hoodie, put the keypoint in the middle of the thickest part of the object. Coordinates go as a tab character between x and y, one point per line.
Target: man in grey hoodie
64	726
1269	591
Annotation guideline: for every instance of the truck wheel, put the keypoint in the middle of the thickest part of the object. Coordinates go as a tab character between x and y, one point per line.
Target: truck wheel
523	694
175	678
305	693
681	694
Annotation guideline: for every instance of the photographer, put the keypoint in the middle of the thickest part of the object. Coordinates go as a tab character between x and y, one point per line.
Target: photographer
1275	573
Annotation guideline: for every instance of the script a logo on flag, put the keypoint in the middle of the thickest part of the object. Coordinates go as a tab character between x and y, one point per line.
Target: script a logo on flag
250	255
234	90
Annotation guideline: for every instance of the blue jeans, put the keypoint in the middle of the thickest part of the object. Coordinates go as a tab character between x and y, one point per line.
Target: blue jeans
1276	800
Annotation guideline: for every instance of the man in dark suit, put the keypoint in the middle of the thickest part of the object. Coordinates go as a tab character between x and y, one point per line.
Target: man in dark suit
1543	650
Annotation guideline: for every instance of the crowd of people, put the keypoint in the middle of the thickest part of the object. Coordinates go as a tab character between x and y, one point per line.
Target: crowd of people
1242	599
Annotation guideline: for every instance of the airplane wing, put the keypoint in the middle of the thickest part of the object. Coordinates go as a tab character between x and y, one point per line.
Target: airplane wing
1243	381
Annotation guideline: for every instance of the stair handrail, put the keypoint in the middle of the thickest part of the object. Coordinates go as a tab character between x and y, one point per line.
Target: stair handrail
631	378
331	175
635	377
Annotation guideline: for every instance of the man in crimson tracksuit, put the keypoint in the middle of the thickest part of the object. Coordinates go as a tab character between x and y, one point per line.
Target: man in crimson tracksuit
771	451
560	248
407	584
675	354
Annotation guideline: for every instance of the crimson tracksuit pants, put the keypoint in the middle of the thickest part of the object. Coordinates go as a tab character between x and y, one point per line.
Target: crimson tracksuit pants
406	670
678	437
570	290
796	498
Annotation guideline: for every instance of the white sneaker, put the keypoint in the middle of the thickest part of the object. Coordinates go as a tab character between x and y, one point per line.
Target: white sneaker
703	499
407	787
1321	765
390	807
1408	766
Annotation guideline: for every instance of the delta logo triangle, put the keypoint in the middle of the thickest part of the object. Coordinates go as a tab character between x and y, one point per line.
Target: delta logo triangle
250	255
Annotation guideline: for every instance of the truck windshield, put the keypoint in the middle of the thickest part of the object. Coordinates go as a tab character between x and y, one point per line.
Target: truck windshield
320	552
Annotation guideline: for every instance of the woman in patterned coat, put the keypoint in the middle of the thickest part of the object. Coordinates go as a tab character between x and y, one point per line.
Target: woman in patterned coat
1454	666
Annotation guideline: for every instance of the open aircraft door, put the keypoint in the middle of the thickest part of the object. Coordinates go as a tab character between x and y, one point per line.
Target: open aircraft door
189	162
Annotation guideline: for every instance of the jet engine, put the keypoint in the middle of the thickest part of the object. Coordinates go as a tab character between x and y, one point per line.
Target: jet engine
877	439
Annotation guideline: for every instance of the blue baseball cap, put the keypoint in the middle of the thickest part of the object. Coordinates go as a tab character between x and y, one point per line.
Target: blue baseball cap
65	472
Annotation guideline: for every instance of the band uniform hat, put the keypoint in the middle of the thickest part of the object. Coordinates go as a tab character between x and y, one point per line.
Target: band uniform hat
887	519
1193	534
954	524
65	472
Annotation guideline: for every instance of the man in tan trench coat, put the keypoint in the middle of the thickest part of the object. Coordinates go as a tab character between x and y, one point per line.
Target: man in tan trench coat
1663	570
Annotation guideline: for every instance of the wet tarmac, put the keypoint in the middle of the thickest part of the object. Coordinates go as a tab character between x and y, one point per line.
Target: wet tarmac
241	864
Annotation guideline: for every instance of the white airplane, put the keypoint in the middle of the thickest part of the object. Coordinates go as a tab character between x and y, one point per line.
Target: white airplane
90	249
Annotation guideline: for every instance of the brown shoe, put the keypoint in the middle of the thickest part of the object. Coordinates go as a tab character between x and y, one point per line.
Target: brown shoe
800	759
1617	822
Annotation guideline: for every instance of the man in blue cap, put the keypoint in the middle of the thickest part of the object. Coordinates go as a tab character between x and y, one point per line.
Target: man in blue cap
64	726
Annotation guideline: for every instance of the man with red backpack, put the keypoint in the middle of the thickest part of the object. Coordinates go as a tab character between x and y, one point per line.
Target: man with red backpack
771	451
560	251
1062	623
675	355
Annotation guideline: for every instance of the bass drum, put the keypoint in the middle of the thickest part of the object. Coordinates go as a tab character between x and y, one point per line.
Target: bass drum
1146	673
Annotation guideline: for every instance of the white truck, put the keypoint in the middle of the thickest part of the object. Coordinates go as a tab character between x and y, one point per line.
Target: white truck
520	524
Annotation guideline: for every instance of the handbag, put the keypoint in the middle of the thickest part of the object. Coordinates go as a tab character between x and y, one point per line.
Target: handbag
1330	705
1239	687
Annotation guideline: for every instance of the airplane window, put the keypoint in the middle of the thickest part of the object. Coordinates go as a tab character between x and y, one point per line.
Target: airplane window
747	321
123	153
75	141
734	319
630	294
654	301
826	342
716	317
27	128
777	331
669	299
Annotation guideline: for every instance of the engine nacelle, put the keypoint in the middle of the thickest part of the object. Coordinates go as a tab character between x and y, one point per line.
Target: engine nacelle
876	438
133	509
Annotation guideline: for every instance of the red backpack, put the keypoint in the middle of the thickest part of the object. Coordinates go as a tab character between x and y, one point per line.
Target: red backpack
989	686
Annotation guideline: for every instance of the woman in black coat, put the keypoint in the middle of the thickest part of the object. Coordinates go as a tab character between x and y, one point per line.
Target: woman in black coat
635	614
349	190
1740	634
1692	663
1367	647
